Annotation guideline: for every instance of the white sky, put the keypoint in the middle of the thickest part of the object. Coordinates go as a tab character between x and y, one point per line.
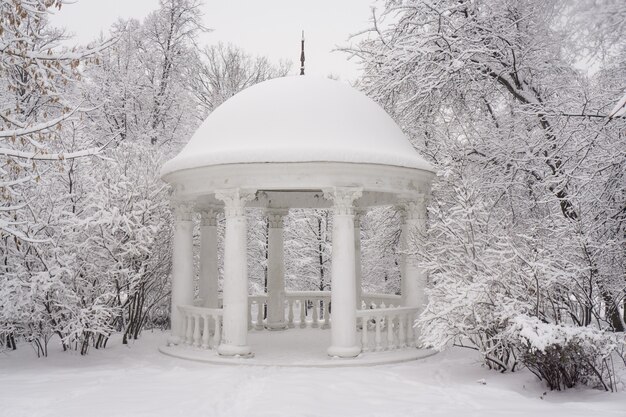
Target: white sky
262	27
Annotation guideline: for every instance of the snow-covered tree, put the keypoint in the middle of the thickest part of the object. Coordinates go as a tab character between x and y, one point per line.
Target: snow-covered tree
380	250
307	250
147	104
35	98
527	215
224	70
41	110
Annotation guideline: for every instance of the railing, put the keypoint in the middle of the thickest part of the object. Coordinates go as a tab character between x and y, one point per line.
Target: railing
382	327
203	326
379	300
311	307
302	309
387	328
256	308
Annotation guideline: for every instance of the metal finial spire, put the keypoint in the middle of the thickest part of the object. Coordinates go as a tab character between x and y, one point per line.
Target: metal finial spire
302	56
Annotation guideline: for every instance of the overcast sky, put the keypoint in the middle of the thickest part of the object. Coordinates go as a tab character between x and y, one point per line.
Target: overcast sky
270	27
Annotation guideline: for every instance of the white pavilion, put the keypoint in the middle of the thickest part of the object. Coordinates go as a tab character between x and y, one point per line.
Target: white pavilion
293	142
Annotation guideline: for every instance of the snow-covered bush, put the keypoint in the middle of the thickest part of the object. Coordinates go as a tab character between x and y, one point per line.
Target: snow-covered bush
564	356
474	273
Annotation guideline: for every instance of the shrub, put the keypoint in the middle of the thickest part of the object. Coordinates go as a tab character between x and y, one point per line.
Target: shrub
564	356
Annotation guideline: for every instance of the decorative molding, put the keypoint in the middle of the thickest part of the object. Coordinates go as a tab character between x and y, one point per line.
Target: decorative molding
343	199
235	200
208	216
276	217
182	211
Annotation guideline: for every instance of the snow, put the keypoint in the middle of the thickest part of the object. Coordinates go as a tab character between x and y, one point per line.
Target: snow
298	119
138	381
541	336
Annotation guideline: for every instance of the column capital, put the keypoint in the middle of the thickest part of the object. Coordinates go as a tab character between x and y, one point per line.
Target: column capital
208	216
183	210
343	198
235	200
276	216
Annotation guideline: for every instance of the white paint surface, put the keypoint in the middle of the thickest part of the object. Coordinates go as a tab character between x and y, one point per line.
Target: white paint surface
235	336
182	273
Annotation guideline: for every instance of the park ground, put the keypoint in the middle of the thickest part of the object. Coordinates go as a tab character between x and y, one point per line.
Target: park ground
136	380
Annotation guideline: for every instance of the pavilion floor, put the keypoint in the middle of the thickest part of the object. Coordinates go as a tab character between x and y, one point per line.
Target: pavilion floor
296	348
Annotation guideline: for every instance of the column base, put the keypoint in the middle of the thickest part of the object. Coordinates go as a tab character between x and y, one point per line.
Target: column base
233	350
276	326
344	352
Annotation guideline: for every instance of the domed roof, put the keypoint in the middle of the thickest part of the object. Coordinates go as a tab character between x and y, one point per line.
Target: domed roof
298	119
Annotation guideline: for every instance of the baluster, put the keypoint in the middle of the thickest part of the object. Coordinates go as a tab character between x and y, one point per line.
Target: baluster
302	314
205	332
326	324
378	338
189	334
401	330
259	315
390	339
290	314
196	330
217	336
315	313
364	342
410	334
211	324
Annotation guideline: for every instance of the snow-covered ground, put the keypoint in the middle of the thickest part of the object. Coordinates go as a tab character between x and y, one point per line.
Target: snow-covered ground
140	381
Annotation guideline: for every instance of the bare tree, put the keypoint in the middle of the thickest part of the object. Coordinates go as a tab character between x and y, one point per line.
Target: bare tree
224	70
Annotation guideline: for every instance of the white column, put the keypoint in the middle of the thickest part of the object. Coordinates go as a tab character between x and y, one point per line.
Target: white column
276	270
357	258
404	231
414	278
344	341
182	268
207	285
235	288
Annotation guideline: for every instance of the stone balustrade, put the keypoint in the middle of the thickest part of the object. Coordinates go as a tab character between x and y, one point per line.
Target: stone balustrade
202	326
382	323
387	328
302	309
312	309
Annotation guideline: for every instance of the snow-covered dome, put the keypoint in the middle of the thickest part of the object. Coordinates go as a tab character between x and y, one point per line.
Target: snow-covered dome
298	119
